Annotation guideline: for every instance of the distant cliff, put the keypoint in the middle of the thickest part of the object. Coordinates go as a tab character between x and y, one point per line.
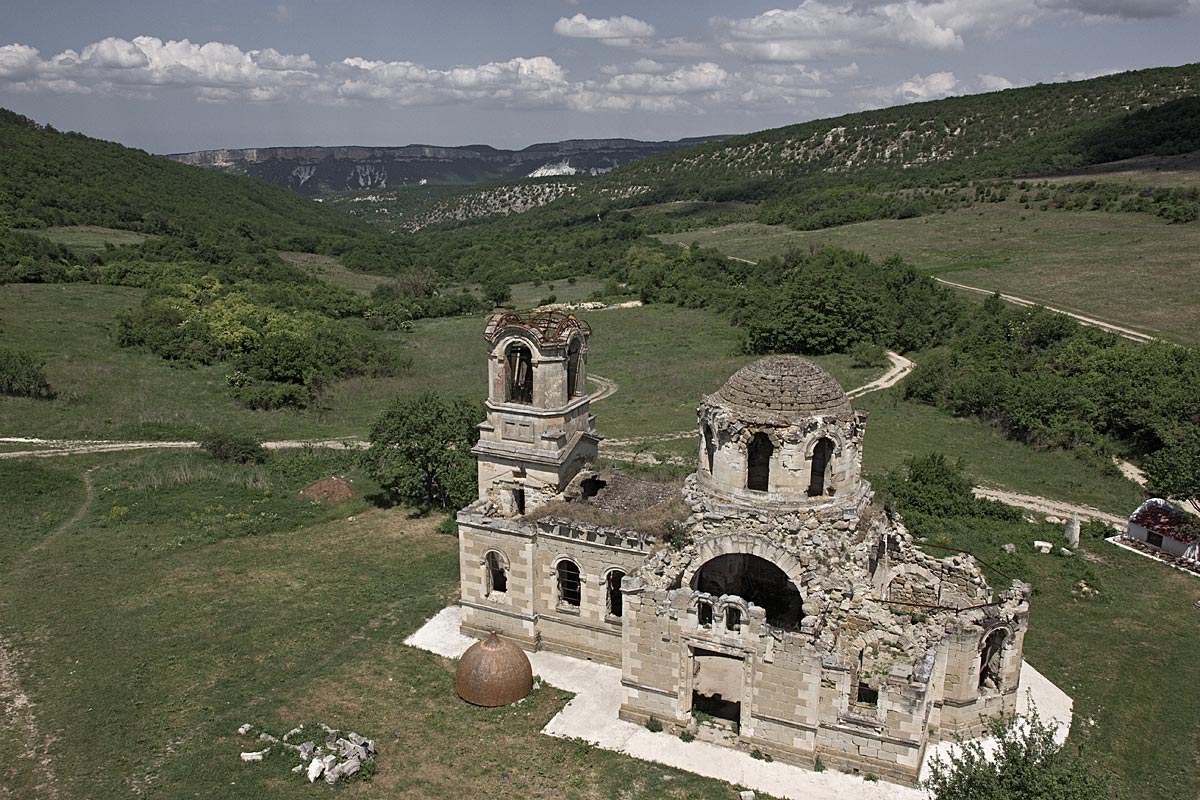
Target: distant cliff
317	171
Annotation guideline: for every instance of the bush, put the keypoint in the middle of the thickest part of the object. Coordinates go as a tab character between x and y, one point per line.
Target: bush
22	375
234	448
654	725
1027	763
866	354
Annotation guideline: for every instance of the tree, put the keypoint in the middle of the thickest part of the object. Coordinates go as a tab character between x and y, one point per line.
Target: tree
1027	763
421	451
1174	471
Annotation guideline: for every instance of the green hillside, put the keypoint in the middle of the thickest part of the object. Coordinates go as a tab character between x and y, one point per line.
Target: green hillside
1037	129
50	178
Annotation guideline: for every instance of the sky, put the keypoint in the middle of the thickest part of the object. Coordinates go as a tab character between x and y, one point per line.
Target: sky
175	77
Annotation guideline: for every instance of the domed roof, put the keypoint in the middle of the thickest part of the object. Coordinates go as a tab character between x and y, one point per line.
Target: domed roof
781	390
494	672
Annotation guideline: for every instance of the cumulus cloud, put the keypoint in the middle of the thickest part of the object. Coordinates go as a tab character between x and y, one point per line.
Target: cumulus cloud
582	26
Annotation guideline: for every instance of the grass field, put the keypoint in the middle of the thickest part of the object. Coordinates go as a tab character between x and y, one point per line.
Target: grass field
143	638
238	601
331	270
1159	171
88	237
1131	269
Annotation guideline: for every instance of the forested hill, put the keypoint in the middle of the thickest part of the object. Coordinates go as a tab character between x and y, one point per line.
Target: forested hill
1038	129
317	171
52	178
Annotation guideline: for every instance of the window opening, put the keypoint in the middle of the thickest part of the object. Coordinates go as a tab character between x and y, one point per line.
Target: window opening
1154	539
758	462
991	660
733	618
574	355
520	374
818	480
497	576
704	614
568	583
519	500
710	447
616	604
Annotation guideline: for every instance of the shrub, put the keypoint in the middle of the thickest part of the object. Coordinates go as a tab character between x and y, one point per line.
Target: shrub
867	354
22	375
1027	763
654	725
235	448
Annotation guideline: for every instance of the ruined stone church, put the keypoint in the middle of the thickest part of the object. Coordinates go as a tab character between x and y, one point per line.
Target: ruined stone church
789	613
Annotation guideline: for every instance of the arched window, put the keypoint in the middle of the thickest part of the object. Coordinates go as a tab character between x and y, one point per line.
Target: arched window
519	362
758	462
756	581
574	356
568	583
733	618
710	446
818	482
704	615
616	604
991	660
497	575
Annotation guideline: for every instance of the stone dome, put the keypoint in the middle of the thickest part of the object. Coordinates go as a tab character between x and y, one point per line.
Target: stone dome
494	672
782	390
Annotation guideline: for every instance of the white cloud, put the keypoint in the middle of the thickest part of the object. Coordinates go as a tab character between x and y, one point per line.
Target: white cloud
994	83
582	26
816	29
1125	9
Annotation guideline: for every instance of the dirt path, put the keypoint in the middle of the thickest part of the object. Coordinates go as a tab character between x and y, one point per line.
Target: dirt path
608	387
1044	505
901	366
1128	333
89	493
28	745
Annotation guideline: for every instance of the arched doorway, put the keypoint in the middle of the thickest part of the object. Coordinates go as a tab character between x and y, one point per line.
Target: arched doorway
756	580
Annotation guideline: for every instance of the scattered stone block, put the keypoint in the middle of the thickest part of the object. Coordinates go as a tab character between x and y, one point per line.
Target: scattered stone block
1062	551
315	768
245	729
1010	548
1044	547
746	795
298	768
307	749
256	756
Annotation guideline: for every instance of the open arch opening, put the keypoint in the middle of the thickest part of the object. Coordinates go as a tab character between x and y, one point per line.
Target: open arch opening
497	575
519	363
758	462
822	457
991	656
574	356
755	580
615	603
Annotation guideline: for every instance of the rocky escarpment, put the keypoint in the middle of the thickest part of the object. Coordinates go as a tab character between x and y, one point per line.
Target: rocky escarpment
317	171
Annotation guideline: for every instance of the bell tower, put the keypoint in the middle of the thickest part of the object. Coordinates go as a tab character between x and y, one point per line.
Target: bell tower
539	431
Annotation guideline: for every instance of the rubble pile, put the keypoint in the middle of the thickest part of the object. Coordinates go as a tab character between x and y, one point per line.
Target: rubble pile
337	758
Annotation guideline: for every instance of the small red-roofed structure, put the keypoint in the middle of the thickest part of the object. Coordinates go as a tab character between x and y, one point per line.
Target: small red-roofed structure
1164	527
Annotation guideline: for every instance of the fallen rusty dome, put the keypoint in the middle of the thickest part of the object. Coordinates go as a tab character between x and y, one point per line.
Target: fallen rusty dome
494	672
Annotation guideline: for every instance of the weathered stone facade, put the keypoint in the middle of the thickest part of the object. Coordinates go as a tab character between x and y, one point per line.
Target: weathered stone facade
795	615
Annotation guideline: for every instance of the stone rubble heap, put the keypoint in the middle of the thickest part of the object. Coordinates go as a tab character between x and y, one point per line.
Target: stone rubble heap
338	758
